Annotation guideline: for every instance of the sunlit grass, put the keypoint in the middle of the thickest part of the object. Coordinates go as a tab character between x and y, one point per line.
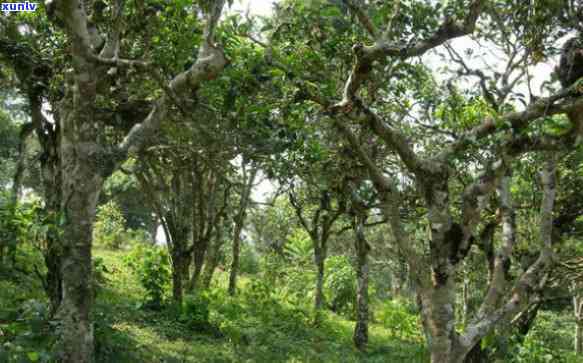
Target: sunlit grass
155	336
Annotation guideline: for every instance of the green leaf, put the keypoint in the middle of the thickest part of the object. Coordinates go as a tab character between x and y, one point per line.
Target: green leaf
33	356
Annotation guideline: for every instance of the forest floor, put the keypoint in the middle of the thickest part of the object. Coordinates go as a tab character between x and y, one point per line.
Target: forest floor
255	326
128	333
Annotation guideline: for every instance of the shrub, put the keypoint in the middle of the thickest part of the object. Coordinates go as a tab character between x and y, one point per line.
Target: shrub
248	262
196	311
23	222
298	247
27	338
99	274
151	265
109	229
403	323
340	285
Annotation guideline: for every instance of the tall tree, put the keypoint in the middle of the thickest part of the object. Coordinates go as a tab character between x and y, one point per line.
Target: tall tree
248	178
432	161
86	158
362	249
317	213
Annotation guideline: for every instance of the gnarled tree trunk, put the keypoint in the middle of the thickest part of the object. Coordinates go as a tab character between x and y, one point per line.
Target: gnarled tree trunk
360	336
81	184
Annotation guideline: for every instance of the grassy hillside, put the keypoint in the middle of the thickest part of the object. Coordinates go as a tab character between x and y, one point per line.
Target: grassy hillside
271	333
252	327
259	325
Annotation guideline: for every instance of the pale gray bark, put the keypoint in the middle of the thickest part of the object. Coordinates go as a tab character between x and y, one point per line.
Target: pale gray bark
465	295
213	257
248	180
360	335
529	284
449	243
86	162
319	230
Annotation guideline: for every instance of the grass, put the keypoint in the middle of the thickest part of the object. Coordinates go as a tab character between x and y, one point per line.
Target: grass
256	326
126	333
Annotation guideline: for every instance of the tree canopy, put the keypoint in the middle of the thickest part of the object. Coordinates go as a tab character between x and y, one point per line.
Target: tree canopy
425	158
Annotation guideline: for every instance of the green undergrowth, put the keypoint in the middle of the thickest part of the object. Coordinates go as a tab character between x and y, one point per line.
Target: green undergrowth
265	322
258	325
254	326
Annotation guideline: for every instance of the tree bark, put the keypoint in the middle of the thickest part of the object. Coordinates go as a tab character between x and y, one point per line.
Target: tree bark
319	260
235	261
81	188
48	135
83	166
177	235
477	355
360	336
578	307
248	181
439	324
438	299
51	176
178	273
200	249
210	267
579	338
54	277
213	257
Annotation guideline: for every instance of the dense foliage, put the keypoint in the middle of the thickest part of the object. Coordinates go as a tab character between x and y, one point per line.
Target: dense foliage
336	181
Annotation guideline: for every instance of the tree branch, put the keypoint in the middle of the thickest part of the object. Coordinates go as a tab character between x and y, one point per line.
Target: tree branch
363	18
532	280
365	56
517	120
211	61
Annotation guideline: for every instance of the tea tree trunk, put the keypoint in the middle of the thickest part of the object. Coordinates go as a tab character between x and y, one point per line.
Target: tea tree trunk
239	223
360	336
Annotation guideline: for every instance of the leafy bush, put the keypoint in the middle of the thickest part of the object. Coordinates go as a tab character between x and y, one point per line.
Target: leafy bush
24	222
298	247
9	229
196	311
534	351
248	262
151	265
270	265
109	229
340	285
403	324
27	338
297	286
99	274
549	340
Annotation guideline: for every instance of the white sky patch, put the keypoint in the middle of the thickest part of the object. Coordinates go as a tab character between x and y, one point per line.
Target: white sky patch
539	73
255	7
